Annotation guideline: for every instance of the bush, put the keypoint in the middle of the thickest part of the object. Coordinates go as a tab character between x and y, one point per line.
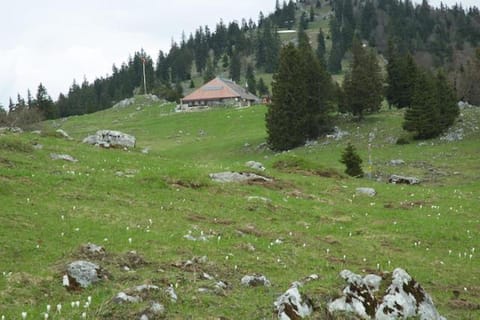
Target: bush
352	161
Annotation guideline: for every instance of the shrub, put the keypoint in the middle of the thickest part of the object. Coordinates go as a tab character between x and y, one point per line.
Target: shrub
352	161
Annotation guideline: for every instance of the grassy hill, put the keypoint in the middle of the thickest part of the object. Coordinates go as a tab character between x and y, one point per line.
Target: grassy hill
308	220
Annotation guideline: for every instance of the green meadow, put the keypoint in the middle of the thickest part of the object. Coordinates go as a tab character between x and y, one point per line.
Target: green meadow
308	220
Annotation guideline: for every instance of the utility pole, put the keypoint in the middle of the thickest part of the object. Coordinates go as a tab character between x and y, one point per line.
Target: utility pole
144	79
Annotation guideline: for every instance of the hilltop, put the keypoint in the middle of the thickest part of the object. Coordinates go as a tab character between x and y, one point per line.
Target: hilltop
162	204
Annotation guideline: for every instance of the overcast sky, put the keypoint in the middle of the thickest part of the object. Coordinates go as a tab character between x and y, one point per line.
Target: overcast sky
56	41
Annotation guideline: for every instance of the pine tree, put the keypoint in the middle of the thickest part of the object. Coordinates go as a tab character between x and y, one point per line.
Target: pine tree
423	116
209	71
235	66
321	48
337	52
352	161
446	101
283	118
45	103
363	85
250	77
262	88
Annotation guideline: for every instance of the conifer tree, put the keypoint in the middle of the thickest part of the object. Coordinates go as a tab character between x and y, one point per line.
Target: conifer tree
446	101
352	161
363	85
321	48
45	104
401	75
262	88
337	51
423	116
284	116
250	77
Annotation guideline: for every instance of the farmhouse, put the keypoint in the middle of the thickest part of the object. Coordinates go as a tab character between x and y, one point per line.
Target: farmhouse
220	91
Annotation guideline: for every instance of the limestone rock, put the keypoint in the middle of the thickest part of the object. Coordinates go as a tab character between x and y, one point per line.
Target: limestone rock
292	305
84	273
255	165
110	138
397	179
66	157
237	177
122	297
397	162
366	191
63	134
255	280
404	299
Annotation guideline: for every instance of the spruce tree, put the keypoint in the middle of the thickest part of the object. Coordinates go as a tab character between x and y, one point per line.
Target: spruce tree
363	84
45	104
262	88
423	116
446	101
250	77
352	161
283	118
337	52
321	48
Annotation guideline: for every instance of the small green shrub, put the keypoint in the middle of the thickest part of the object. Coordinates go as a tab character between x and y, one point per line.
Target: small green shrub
352	161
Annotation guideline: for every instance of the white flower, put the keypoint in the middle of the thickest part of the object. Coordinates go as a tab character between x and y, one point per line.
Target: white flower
48	307
24	315
59	308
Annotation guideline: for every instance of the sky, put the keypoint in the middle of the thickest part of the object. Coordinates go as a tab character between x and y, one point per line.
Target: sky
57	41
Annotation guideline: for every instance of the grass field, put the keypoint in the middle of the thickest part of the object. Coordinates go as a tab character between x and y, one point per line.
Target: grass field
50	208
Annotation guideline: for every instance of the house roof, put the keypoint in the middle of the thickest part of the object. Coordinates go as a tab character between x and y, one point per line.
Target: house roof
219	88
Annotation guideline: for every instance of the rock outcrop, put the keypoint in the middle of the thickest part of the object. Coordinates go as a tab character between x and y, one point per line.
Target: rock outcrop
403	180
403	299
111	138
238	177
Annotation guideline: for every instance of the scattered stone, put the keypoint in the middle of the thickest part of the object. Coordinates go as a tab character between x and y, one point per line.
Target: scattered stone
83	273
122	297
124	103
255	165
257	198
292	305
358	297
92	250
238	177
11	129
337	134
37	146
66	157
396	179
397	162
37	132
146	287
404	298
146	150
255	280
453	134
171	293
63	134
110	138
366	191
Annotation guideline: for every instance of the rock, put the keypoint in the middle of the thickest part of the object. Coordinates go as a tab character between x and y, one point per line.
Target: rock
366	191
146	150
453	134
237	177
93	251
66	157
358	297
63	134
255	165
84	273
255	281
146	287
122	297
292	305
258	198
403	180
404	298
124	103
110	138
157	308
397	162
337	134
11	129
171	293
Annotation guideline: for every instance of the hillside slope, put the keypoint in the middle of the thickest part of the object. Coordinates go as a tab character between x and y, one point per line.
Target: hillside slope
308	220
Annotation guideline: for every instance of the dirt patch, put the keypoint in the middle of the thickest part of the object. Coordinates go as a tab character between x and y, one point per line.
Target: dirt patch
250	229
178	183
303	167
463	304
